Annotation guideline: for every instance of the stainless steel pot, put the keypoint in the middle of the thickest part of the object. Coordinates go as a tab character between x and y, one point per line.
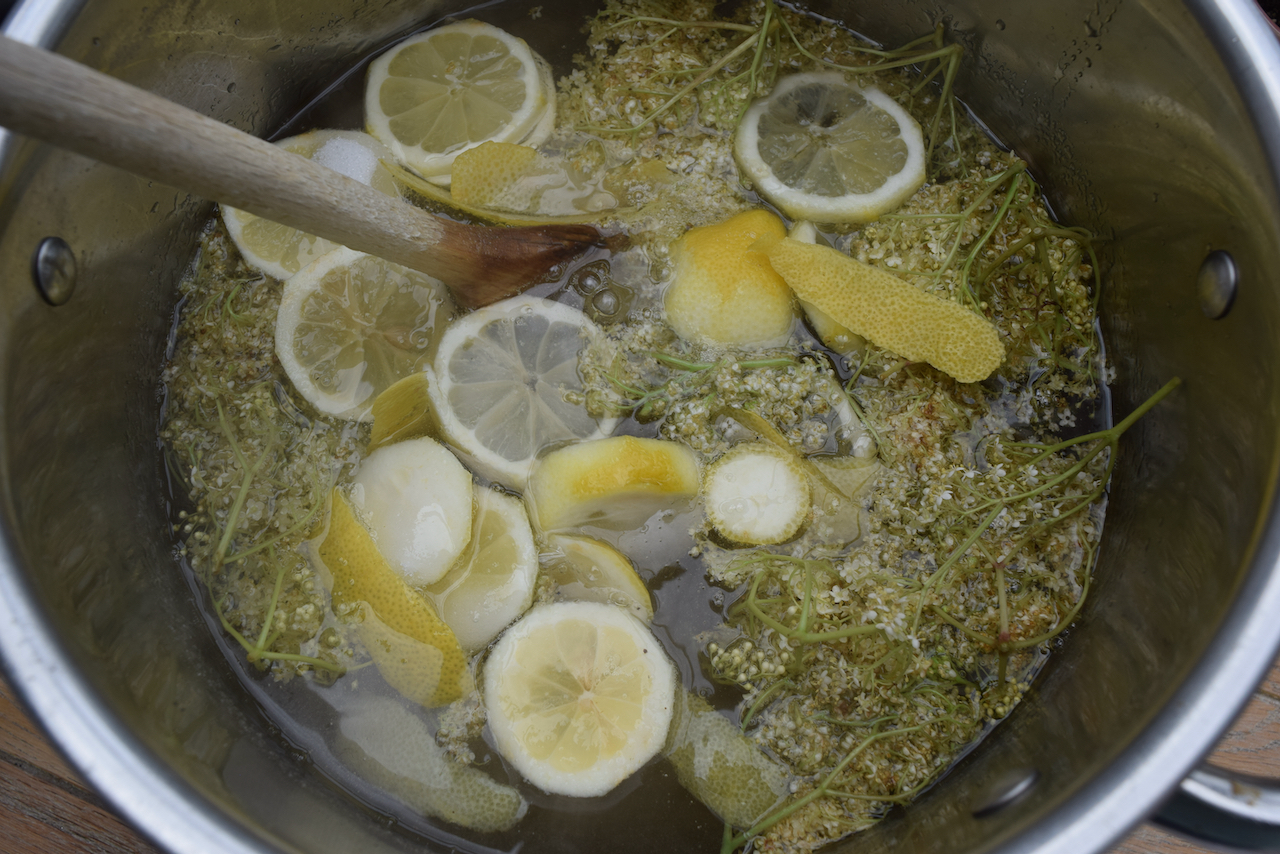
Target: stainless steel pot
1157	124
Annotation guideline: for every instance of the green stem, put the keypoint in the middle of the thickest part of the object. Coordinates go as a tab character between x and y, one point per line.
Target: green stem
762	699
821	790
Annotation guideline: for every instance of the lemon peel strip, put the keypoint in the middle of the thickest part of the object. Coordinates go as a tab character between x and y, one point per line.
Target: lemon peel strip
414	650
888	311
720	766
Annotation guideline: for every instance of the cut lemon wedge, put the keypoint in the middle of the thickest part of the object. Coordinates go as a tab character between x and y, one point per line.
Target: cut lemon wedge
492	584
618	482
506	379
413	649
438	94
352	325
281	251
588	570
579	697
823	149
415	497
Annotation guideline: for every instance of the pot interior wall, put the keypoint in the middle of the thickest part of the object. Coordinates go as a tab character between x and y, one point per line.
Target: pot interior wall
1126	117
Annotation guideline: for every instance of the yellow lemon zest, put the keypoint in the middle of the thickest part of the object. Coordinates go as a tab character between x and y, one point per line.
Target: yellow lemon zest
486	175
414	650
887	311
724	291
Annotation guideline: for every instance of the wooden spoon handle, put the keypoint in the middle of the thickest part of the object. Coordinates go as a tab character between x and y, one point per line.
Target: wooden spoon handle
61	102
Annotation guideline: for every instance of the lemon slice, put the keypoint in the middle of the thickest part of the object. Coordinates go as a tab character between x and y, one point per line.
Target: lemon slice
579	697
493	582
281	251
504	375
351	325
412	648
438	94
758	494
724	291
617	482
823	149
415	497
588	570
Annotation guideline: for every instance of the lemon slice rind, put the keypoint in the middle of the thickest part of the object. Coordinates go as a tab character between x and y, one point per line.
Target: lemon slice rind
851	207
415	498
416	653
579	696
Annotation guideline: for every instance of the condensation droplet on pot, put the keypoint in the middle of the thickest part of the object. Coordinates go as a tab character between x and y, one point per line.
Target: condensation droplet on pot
999	24
53	267
1216	284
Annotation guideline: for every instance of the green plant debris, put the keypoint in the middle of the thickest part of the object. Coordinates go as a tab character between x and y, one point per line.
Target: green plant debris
255	467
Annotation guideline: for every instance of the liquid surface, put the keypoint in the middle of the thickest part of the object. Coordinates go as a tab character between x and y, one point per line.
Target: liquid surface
862	656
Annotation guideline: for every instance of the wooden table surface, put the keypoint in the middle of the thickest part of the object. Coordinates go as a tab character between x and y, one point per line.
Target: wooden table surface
46	809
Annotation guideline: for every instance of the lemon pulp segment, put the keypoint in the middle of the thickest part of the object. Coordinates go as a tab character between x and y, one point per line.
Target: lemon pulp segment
414	651
506	381
352	325
823	149
279	250
492	583
889	312
616	482
579	696
723	290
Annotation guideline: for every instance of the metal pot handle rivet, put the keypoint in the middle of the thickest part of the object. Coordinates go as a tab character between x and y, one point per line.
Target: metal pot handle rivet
54	269
1216	284
1008	788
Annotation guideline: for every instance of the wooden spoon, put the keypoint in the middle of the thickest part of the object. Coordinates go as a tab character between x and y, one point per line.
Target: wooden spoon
63	103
